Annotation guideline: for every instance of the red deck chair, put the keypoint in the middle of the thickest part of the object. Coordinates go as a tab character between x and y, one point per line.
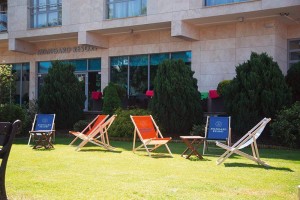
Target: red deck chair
149	134
90	129
99	136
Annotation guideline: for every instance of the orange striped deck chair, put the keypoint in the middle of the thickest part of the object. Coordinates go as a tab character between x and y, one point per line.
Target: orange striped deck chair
100	136
149	134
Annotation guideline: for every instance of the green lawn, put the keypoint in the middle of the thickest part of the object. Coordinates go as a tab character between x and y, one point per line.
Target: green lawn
93	173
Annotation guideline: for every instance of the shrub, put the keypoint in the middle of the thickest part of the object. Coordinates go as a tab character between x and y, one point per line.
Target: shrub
123	126
292	79
258	90
222	85
62	94
80	125
176	102
286	127
7	84
111	100
12	112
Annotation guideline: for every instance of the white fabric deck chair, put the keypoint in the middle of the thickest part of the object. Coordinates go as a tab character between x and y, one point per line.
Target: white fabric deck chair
248	139
149	134
98	135
43	124
217	129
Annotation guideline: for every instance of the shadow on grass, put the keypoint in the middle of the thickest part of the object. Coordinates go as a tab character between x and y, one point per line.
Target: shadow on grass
195	158
100	149
257	166
178	148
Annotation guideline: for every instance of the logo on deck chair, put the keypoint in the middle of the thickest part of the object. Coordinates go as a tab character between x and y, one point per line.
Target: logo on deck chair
218	124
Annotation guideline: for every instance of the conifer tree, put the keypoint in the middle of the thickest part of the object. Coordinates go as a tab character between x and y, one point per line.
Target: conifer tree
293	80
176	102
62	94
111	100
258	90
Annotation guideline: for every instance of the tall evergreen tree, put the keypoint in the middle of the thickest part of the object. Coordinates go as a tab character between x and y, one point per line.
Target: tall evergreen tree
111	99
176	102
62	94
293	80
258	90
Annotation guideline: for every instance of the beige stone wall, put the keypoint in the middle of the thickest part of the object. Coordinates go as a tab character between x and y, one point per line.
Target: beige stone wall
220	48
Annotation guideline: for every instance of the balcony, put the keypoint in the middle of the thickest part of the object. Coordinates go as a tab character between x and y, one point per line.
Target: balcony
222	2
3	21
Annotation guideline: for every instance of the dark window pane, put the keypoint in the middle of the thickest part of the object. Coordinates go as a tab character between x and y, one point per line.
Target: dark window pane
294	44
43	67
94	64
185	56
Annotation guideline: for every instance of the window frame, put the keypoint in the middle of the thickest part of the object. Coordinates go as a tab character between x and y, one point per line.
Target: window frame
36	10
291	62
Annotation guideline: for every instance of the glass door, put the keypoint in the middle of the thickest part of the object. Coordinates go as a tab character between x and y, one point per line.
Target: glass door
94	91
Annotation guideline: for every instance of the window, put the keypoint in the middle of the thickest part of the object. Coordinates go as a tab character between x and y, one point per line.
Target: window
294	52
88	71
3	17
126	8
45	13
21	71
221	2
136	73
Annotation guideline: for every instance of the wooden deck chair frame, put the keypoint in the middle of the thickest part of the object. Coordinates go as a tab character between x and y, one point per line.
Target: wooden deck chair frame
82	135
99	136
248	139
156	142
33	132
207	140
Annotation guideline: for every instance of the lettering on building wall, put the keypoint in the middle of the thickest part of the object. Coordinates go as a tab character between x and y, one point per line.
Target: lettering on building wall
77	49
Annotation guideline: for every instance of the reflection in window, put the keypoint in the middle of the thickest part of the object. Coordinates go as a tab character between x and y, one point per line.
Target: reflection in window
119	71
141	70
45	13
126	8
22	83
294	52
138	79
221	2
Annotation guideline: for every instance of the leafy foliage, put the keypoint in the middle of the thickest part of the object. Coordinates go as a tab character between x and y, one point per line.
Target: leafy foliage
286	126
293	80
123	126
222	85
176	102
111	99
258	90
62	94
12	112
7	84
80	125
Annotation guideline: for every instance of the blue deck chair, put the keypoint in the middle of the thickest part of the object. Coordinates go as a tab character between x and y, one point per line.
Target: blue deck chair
43	129
217	129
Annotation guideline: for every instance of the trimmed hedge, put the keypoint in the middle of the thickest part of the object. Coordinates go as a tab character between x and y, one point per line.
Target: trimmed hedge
286	127
123	126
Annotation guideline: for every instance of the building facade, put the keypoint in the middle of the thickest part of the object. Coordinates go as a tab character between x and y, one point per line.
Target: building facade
124	41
